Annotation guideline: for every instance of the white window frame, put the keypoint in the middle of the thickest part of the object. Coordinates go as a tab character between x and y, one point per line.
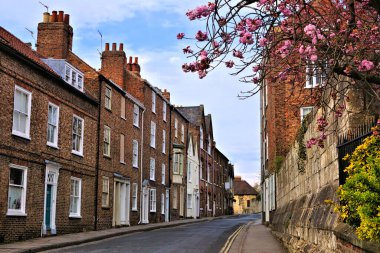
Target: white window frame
153	134
164	110
201	137
78	213
189	171
108	98
80	151
134	197
175	198
135	154
162	203
28	114
55	136
78	82
163	141
153	101
106	190
182	133
208	173
209	145
177	163
152	169
152	200
136	115
175	127
122	148
22	210
163	168
107	141
312	78
302	113
189	201
122	108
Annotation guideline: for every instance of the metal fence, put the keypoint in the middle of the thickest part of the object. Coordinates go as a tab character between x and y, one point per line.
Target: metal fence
347	144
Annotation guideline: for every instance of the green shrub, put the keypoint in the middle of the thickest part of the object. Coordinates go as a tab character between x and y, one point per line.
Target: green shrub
360	194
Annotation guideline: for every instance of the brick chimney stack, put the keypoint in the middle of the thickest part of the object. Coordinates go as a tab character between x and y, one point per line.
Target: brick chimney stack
55	35
114	63
166	95
134	67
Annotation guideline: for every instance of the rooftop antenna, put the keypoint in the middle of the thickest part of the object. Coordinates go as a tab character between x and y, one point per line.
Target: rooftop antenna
101	44
44	5
31	34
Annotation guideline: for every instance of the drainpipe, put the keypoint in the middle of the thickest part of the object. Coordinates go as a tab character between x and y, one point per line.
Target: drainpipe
141	163
97	155
170	156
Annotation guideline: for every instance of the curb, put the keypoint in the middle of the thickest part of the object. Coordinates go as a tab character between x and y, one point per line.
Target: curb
115	234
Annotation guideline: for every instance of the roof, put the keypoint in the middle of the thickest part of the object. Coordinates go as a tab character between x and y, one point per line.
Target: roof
208	122
241	187
16	44
193	113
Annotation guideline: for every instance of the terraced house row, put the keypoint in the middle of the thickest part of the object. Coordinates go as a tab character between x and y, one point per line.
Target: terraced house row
82	149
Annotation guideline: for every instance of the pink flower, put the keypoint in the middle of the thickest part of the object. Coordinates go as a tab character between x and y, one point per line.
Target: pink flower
180	36
201	36
246	38
301	50
310	29
203	54
215	44
202	73
262	42
229	64
187	50
313	57
238	54
255	80
256	68
201	11
366	65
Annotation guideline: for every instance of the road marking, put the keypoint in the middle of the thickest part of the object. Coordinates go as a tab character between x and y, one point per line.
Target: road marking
231	239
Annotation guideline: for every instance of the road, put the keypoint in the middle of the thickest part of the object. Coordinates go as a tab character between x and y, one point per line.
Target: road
204	237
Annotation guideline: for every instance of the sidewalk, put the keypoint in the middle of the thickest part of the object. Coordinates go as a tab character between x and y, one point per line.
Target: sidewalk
253	238
53	242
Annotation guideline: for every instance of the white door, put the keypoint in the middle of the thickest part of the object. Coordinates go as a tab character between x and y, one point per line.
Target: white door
121	203
145	205
167	205
51	182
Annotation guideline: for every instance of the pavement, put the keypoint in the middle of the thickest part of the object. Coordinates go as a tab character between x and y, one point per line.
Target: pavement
253	237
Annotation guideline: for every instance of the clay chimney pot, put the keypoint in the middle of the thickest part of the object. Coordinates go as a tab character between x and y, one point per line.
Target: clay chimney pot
136	60
113	46
107	47
66	19
60	16
121	47
54	16
130	59
46	17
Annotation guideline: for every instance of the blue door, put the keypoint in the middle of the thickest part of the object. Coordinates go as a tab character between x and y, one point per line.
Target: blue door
48	206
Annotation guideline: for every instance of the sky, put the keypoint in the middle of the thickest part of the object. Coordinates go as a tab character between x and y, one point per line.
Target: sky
148	30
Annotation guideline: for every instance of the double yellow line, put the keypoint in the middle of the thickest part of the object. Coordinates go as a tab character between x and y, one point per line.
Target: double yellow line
231	239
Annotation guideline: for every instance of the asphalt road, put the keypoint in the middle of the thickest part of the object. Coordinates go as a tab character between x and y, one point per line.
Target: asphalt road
204	237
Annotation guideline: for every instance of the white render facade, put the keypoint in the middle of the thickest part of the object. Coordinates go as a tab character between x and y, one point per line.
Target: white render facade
192	179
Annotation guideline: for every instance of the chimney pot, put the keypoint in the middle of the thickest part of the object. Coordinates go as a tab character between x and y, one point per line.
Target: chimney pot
60	16
136	60
66	19
46	17
113	46
54	17
121	47
107	47
130	59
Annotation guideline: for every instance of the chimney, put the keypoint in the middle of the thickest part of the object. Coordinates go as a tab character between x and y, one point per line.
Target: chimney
237	178
55	35
114	63
166	95
136	66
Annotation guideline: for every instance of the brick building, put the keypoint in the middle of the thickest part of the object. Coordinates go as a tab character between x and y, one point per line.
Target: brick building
219	178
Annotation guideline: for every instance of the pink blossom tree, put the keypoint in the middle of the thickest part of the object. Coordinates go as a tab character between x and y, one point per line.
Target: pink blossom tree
278	40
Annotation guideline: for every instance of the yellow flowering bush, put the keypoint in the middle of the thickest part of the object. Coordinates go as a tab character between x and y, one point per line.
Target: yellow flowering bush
360	194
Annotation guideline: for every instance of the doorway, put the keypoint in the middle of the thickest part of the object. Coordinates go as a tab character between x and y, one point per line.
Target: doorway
121	202
50	199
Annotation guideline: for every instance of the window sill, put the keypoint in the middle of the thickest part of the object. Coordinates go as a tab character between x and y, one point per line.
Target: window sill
137	126
21	135
121	162
124	118
76	153
107	156
134	210
135	167
152	211
16	213
152	179
153	146
75	216
108	109
106	207
51	145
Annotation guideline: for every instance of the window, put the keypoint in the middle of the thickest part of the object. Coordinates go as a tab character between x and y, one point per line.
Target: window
122	153
175	128
208	172
162	203
75	197
152	169
209	145
73	77
107	141
78	135
152	199
201	137
315	76
163	141
105	192
248	203
189	201
182	133
17	190
305	111
134	197
122	108
201	170
189	171
164	111
135	154
153	101
163	174
108	97
152	134
175	199
52	128
136	115
208	202
177	162
22	112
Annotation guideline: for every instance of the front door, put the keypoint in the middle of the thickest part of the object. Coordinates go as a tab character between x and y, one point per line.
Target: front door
51	182
167	205
48	206
121	203
145	205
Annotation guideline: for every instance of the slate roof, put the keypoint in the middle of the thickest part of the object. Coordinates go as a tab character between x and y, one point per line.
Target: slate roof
192	113
241	187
